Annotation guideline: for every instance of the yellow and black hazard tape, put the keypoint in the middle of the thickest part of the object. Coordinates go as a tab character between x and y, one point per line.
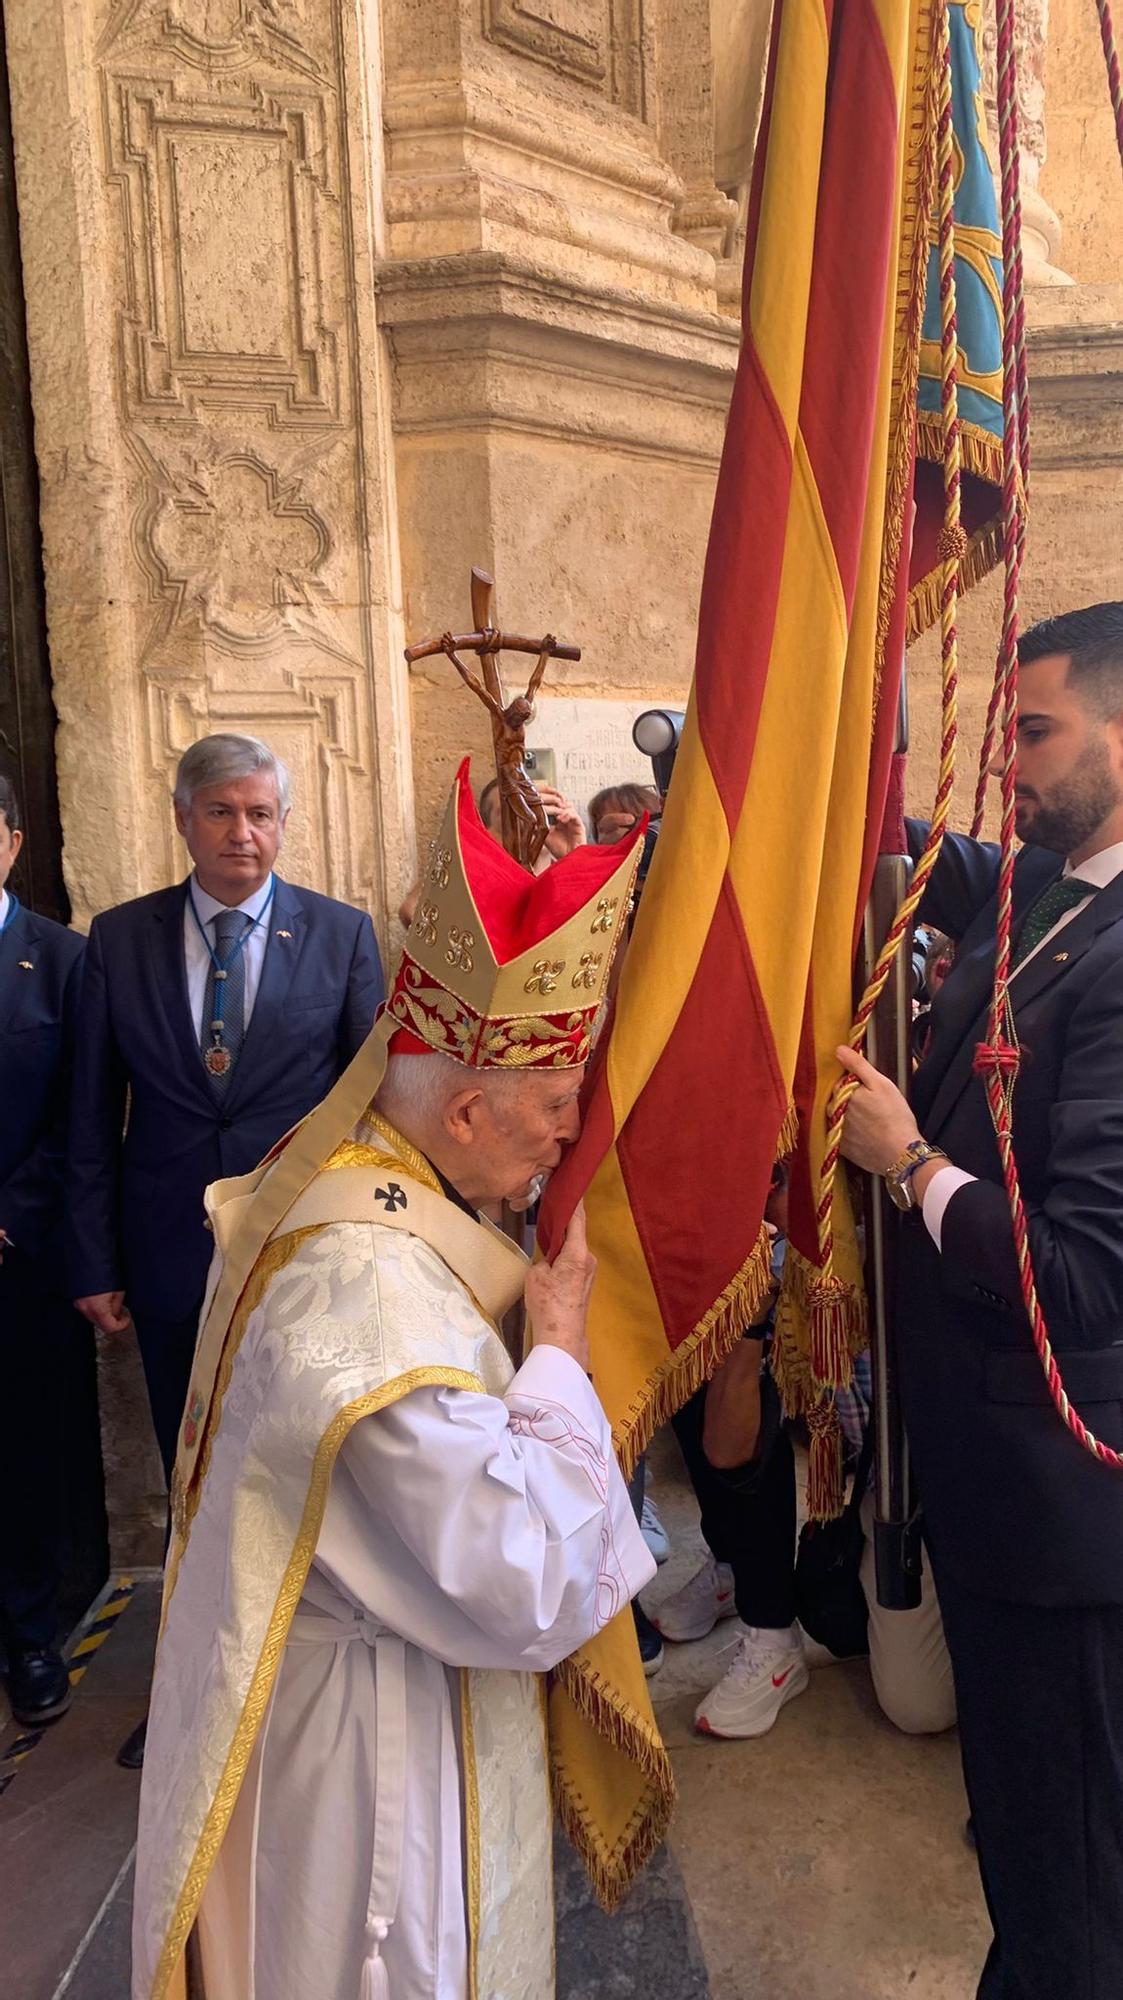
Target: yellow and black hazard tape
92	1634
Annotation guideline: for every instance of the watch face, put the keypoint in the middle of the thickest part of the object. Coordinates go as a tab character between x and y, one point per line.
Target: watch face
899	1194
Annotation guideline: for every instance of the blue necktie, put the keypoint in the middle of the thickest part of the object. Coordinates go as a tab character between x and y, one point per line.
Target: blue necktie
229	926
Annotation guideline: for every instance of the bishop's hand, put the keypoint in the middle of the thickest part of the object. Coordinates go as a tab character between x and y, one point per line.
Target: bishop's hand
557	1294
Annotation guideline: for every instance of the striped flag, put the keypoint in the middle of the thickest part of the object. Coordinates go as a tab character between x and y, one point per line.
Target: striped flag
737	985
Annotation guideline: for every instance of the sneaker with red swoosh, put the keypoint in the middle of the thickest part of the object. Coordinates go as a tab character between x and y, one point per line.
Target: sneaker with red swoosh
767	1670
698	1605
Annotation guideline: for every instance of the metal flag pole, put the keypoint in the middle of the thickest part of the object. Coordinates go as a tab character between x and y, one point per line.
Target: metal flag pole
889	1047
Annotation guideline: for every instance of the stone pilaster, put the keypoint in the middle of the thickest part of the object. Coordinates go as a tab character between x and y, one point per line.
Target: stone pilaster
199	206
1041	229
560	366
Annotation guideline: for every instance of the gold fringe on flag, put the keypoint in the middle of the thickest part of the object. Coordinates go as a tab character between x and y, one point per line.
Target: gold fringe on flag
615	1808
684	1371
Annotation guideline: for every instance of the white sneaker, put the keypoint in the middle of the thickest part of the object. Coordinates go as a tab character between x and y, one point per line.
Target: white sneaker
768	1670
654	1533
695	1609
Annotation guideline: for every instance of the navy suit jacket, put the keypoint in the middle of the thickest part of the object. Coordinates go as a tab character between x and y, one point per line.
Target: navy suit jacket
1015	1508
147	1133
40	964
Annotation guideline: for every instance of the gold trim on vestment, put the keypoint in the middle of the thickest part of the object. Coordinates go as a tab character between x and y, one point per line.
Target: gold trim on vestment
185	1505
261	1685
473	1845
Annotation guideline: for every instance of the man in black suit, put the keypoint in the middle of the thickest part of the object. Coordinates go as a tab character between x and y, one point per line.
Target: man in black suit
41	1338
213	1016
1026	1527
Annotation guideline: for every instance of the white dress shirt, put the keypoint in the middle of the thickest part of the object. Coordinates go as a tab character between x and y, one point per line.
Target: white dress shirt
1098	870
197	957
3	908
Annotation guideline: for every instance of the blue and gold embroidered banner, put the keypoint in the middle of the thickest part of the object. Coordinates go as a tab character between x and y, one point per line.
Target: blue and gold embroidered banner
978	284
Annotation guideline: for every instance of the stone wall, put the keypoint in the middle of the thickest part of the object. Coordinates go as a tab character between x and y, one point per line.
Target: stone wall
1081	178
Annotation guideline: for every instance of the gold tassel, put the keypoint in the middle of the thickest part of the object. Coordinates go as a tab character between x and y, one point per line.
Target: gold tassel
825	1489
834	1308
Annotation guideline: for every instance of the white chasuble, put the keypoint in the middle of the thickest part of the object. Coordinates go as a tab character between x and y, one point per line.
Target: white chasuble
345	1781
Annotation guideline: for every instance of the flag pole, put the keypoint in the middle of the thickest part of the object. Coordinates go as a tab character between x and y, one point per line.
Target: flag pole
897	1550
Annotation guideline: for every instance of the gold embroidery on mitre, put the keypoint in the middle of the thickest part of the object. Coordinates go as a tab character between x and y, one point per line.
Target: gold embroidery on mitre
545	976
461	945
450	945
521	1041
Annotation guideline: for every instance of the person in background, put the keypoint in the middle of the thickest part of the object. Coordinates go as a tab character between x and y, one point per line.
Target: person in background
740	1461
567	833
41	1337
213	1016
614	811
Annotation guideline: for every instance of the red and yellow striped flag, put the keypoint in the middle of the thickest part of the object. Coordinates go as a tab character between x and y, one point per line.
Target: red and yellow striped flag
737	984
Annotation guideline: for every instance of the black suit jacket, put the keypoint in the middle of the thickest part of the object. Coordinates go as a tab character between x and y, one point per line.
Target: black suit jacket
1014	1507
135	1192
40	963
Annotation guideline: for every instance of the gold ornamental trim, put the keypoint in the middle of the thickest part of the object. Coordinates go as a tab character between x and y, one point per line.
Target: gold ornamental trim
269	1659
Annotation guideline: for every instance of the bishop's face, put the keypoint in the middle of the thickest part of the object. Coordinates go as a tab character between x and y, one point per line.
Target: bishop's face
520	1130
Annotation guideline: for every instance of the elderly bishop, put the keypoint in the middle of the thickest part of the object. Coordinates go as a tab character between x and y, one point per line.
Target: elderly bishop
383	1535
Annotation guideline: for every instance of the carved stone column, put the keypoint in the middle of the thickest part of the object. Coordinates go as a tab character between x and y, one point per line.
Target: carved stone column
686	83
561	369
1041	229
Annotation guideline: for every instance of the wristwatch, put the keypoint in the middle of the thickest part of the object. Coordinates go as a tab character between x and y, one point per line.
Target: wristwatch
898	1177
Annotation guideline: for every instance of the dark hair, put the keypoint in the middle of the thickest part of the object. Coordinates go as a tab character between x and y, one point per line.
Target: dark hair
1093	642
491	786
9	804
629	798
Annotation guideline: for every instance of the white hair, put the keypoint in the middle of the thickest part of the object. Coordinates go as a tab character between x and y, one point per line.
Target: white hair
214	760
421	1086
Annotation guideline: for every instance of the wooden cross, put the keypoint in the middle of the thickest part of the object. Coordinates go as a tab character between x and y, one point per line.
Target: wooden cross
524	823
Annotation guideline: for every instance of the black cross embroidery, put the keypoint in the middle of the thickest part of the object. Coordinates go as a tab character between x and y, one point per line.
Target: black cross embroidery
392	1197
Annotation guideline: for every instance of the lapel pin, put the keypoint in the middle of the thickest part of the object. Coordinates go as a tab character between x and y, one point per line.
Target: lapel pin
1060	957
25	965
285	934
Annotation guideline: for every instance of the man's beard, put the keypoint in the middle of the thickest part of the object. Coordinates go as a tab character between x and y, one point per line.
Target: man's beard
1069	813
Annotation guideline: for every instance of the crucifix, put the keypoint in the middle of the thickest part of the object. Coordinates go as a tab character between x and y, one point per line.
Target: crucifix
524	822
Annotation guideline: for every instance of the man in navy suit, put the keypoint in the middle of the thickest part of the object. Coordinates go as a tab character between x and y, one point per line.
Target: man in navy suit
42	1342
213	1016
1025	1527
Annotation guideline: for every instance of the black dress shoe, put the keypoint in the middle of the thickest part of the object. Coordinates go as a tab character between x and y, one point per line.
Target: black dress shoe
650	1642
38	1685
131	1754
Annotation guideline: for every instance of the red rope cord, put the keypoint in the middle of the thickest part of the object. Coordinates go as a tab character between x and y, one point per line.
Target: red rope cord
951	548
1107	37
998	1059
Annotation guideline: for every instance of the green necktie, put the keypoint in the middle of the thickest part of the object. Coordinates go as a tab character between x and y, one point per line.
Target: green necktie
1061	895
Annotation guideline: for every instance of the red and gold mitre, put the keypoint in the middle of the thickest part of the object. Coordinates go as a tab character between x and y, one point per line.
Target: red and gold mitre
501	968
